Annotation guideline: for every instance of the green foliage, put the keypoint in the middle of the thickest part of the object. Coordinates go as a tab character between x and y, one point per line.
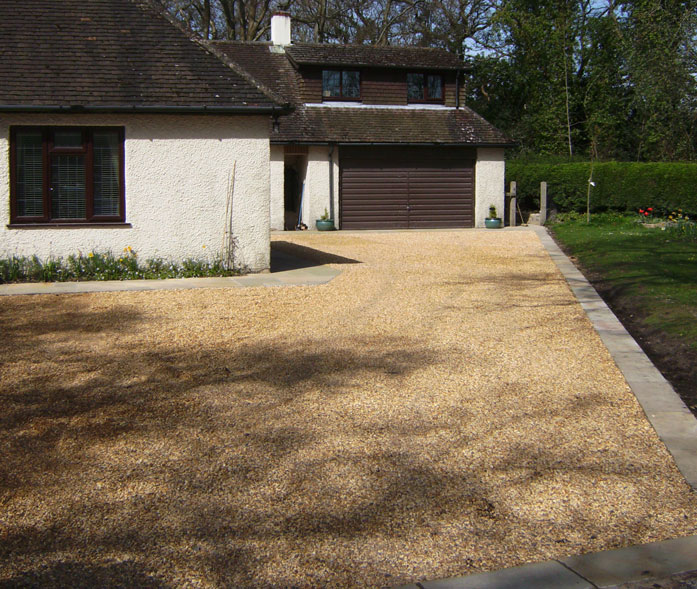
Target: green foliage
685	231
652	268
104	266
658	41
614	80
619	186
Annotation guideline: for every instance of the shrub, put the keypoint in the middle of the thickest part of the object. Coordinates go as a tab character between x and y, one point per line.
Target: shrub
103	266
619	186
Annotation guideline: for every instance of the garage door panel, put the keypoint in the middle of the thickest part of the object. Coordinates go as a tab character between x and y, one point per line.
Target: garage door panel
436	223
379	223
384	188
435	192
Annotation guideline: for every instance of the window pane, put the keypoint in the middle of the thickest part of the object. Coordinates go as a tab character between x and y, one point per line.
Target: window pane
68	187
331	83
106	172
30	174
435	87
351	84
415	86
67	138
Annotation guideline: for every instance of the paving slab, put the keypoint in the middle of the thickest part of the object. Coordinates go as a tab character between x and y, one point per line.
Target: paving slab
655	397
619	340
682	581
665	410
611	569
543	575
302	276
660	559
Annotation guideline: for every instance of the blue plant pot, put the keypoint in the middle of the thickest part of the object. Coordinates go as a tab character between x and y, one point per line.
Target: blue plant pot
327	225
493	223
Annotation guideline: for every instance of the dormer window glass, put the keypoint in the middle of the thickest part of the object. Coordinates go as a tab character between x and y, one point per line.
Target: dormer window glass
424	88
341	85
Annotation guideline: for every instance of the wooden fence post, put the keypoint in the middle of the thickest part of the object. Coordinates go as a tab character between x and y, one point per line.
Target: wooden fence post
543	203
513	204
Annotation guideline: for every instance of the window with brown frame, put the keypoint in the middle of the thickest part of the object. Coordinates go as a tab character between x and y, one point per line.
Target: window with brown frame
66	175
341	85
424	88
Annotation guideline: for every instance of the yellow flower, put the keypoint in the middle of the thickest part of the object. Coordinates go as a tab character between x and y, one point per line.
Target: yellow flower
204	246
90	255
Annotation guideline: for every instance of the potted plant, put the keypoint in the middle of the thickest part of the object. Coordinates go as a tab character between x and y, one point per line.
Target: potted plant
492	221
324	223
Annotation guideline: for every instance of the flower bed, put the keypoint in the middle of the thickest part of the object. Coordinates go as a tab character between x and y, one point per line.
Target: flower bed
105	266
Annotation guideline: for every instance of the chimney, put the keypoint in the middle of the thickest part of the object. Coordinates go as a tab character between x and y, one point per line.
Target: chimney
280	28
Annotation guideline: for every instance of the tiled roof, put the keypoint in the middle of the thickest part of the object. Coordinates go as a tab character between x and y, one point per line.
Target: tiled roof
318	124
271	68
372	55
112	53
321	124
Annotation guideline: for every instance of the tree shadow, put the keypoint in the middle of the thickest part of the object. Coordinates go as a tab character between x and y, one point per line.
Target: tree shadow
80	575
522	288
228	464
73	320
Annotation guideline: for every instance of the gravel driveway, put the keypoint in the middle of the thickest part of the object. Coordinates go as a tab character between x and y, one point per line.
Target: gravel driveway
442	407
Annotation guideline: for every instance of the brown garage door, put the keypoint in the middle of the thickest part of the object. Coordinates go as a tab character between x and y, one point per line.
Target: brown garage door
407	187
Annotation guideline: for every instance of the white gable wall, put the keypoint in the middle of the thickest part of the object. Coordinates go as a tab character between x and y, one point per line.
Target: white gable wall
489	183
177	171
277	187
317	184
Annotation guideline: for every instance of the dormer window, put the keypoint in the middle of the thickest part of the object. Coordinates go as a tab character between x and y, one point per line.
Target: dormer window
341	85
424	88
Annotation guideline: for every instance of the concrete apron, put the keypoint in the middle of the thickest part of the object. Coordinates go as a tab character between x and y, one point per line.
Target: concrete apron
307	276
675	426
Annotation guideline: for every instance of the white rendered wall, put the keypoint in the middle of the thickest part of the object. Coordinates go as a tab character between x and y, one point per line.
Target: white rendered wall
177	170
317	192
277	187
489	183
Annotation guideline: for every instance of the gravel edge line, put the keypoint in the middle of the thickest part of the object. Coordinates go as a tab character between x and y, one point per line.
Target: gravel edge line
674	423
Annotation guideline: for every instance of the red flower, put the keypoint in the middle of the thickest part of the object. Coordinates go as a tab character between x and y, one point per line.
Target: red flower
641	211
646	214
649	209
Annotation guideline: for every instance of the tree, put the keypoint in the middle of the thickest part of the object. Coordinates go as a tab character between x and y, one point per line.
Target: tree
658	38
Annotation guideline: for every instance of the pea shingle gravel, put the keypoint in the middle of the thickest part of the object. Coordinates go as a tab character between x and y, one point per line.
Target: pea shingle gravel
442	407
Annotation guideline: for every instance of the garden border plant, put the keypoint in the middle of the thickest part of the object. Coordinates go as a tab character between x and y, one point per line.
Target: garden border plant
105	266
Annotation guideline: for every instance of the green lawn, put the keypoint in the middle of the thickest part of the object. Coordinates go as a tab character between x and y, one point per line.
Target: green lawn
653	271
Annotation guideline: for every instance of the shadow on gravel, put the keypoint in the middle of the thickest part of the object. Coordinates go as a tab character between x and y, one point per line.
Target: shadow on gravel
190	464
252	464
79	575
286	255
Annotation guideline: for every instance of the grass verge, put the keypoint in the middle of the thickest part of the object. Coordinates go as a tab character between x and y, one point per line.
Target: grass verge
648	276
654	266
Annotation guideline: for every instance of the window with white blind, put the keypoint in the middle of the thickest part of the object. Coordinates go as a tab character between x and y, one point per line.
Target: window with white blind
67	175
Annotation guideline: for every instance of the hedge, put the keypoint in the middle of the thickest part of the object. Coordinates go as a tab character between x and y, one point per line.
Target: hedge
620	186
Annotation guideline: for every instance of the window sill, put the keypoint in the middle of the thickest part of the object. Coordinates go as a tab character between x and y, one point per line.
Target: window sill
67	225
